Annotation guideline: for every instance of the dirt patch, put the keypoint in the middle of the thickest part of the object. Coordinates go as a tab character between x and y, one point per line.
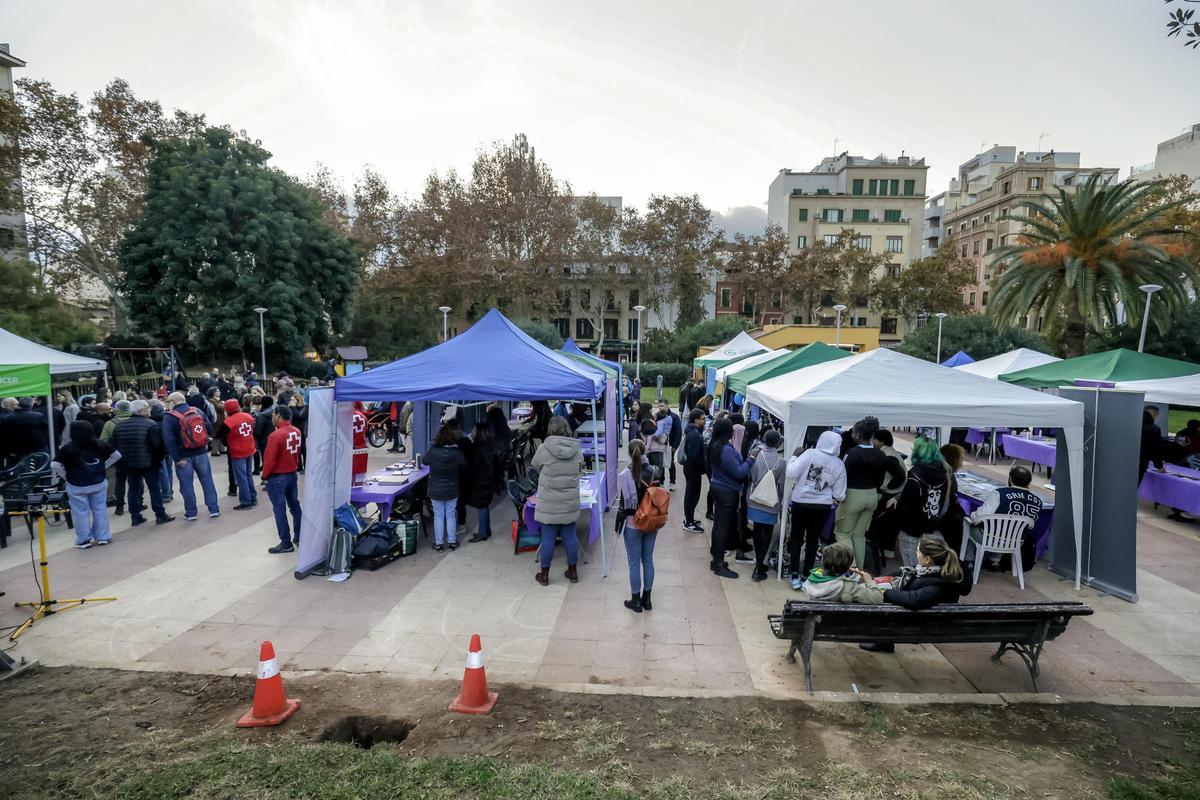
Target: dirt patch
63	719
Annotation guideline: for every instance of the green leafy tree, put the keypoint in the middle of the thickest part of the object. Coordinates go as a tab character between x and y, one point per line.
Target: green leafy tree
1182	341
926	286
822	275
389	326
975	334
1082	254
28	309
680	347
221	233
539	331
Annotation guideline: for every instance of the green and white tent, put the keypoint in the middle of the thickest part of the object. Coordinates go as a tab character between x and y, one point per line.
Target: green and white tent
815	353
1113	366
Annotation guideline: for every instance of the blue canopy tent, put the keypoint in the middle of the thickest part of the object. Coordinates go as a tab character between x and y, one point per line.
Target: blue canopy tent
958	359
491	360
571	348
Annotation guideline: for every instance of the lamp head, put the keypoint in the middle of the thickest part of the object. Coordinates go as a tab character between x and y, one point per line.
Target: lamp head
444	309
941	315
839	307
1150	288
260	310
639	309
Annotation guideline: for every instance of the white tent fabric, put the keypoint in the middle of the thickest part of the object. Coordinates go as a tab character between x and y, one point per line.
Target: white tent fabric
18	350
1181	391
901	390
739	345
749	361
1013	360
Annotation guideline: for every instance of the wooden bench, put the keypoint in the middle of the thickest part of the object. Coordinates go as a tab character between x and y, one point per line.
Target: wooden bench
1023	628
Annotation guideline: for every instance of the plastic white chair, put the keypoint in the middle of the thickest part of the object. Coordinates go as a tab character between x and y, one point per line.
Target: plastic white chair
998	533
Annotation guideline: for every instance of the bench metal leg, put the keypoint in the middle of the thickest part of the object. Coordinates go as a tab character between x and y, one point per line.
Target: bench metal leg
1029	652
791	656
806	643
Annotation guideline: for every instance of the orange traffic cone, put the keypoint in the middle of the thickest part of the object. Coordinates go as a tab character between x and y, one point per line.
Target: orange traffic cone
271	705
474	697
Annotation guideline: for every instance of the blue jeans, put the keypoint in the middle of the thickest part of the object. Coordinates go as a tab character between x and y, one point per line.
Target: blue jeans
570	543
201	467
445	520
639	547
485	521
241	467
136	476
166	480
282	489
89	511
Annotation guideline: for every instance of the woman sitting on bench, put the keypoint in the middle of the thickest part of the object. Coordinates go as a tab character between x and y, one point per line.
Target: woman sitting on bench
938	578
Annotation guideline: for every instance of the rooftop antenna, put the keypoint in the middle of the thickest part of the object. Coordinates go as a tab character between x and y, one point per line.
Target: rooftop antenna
1040	137
835	144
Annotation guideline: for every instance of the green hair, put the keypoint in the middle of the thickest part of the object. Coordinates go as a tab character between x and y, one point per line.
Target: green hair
925	451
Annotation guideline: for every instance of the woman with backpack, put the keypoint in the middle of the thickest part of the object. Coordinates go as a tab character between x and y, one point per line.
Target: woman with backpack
83	462
925	499
764	498
633	483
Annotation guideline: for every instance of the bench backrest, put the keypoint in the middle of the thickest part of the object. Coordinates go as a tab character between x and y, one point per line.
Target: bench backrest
950	623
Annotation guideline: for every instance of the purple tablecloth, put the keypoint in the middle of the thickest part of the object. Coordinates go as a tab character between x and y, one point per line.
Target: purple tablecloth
1172	489
384	494
1039	451
981	435
596	508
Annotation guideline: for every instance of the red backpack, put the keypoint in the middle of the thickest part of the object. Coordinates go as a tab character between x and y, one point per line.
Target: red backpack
651	512
192	429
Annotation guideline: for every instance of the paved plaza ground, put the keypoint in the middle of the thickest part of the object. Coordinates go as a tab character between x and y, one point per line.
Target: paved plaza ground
199	597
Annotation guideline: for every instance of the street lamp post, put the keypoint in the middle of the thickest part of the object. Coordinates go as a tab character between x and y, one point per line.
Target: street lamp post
941	315
445	322
839	308
1149	289
639	310
262	342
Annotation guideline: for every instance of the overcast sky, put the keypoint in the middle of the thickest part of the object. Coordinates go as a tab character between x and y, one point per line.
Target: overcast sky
635	98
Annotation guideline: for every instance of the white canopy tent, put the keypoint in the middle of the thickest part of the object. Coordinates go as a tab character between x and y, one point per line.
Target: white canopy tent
17	350
1181	391
901	390
1013	360
749	361
740	345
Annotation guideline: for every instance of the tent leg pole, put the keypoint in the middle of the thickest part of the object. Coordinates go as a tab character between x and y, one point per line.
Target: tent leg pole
50	420
596	487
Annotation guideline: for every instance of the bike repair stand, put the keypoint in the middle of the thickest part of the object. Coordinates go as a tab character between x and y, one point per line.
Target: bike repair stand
47	605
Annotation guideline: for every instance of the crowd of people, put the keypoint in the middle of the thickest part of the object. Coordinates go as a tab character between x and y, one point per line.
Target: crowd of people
113	450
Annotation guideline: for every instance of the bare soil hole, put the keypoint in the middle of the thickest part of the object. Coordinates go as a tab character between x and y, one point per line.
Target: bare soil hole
367	731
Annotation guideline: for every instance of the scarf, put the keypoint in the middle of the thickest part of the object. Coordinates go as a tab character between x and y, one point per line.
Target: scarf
908	574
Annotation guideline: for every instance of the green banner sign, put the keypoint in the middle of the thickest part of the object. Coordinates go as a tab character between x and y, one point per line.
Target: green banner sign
25	380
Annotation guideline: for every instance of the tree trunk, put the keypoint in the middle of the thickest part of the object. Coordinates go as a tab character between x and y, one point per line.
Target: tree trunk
1074	332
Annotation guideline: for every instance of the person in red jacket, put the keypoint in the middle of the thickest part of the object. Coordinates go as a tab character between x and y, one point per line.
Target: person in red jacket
237	431
358	471
281	460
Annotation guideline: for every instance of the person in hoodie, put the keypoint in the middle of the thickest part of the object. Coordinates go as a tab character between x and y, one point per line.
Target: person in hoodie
768	466
837	581
820	478
925	499
558	461
236	430
693	468
281	461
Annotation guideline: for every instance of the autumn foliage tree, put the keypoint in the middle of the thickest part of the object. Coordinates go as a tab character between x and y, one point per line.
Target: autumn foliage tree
926	286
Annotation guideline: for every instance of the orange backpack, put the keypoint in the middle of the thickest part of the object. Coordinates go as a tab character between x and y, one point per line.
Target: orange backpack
651	512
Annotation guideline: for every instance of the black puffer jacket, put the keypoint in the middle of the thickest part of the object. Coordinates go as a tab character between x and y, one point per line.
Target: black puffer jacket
139	442
926	591
446	464
480	481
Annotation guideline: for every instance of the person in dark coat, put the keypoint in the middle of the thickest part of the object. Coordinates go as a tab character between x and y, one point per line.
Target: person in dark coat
674	440
693	469
263	427
501	441
482	467
1151	449
60	420
446	466
24	431
139	440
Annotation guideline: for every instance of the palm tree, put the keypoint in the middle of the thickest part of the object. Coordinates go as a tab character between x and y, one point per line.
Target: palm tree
1083	254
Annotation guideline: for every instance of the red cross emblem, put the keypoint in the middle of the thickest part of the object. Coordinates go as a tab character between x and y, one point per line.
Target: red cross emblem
293	441
360	423
245	429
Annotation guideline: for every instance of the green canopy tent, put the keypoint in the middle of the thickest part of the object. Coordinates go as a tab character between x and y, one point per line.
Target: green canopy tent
1112	366
815	353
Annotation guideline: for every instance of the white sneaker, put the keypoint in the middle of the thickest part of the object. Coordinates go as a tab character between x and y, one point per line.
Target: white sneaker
214	514
83	545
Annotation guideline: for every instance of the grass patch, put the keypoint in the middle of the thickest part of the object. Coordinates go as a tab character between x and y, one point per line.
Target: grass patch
596	740
763	727
1179	779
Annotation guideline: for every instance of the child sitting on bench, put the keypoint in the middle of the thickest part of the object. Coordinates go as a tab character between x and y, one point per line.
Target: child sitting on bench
835	582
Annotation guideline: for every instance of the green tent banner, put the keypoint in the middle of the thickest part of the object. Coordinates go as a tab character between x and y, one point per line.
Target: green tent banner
25	380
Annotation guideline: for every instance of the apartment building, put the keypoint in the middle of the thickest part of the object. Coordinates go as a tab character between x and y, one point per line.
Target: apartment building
981	216
881	199
932	232
12	221
1179	155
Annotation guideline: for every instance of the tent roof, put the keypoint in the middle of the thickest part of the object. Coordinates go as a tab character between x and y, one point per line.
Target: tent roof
354	352
1013	360
815	353
1181	391
741	345
18	350
591	363
1113	365
902	390
572	349
958	359
726	371
491	360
